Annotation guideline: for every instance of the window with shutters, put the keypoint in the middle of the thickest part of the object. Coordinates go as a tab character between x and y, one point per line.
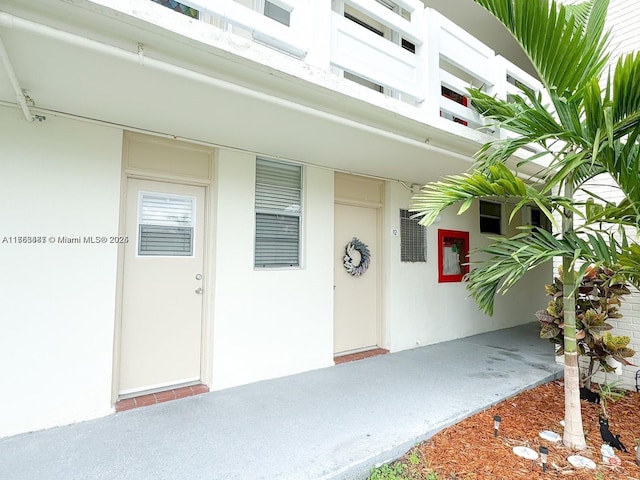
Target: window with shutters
165	225
413	239
277	13
278	214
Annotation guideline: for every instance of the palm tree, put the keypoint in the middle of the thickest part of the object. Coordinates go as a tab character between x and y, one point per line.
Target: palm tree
585	130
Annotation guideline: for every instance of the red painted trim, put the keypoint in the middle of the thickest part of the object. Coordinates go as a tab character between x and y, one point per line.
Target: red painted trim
455	234
458	98
360	355
160	397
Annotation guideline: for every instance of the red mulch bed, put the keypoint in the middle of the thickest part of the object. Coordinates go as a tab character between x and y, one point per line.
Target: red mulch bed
469	450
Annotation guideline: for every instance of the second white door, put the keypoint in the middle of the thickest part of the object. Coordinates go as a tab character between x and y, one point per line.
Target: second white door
356	299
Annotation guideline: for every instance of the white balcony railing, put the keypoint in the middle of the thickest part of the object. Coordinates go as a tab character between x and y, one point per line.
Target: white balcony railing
394	46
290	39
376	53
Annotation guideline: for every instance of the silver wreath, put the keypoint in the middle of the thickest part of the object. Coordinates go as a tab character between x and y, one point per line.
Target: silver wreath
365	257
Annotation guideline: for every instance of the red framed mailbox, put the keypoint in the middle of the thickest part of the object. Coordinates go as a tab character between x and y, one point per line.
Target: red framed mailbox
453	255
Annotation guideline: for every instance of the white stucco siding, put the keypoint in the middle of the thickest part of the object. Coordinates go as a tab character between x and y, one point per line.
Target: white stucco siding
59	178
270	322
422	311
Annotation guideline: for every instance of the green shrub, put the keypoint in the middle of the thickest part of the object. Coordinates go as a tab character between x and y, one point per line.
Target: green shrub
393	471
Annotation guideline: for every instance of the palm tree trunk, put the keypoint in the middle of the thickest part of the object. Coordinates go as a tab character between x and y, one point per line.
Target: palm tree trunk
573	432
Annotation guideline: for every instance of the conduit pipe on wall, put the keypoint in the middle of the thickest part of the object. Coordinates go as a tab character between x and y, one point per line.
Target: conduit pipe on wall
20	98
11	21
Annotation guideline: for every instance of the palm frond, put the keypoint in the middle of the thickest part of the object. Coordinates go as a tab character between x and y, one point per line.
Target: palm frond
565	45
496	180
626	91
523	114
586	171
581	13
629	260
626	213
530	119
509	259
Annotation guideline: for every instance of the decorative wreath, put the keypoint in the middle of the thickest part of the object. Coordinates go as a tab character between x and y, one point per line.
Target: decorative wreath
365	257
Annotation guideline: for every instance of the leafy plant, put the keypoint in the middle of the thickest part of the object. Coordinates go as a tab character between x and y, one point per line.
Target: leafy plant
400	470
432	475
586	124
609	392
392	471
597	299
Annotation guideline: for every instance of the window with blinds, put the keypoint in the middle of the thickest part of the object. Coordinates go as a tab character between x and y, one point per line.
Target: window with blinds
278	214
413	239
166	225
277	13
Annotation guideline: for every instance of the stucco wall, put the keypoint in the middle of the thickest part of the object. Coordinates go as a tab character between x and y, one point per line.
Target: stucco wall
421	311
62	178
270	322
59	178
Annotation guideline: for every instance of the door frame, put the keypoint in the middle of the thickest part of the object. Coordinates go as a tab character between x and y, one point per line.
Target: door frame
380	217
208	254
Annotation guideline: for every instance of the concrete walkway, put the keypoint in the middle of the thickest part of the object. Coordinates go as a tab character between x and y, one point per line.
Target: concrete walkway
333	423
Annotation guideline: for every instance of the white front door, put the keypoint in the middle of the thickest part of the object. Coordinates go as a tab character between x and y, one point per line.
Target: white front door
356	299
161	333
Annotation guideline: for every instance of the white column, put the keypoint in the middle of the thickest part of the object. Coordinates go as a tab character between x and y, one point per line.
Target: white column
431	58
318	29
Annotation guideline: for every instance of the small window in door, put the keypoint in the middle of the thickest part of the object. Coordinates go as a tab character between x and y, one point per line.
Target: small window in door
166	225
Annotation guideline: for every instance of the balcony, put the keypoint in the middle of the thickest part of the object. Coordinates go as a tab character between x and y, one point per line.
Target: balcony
407	54
351	85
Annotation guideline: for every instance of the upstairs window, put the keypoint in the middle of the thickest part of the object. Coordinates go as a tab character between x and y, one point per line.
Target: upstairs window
458	98
413	239
490	217
407	45
278	214
179	7
277	13
367	23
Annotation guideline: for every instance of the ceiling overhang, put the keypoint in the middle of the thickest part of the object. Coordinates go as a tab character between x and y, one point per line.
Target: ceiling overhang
208	96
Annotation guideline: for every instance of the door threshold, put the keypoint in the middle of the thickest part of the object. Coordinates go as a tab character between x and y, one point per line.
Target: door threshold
352	357
160	397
